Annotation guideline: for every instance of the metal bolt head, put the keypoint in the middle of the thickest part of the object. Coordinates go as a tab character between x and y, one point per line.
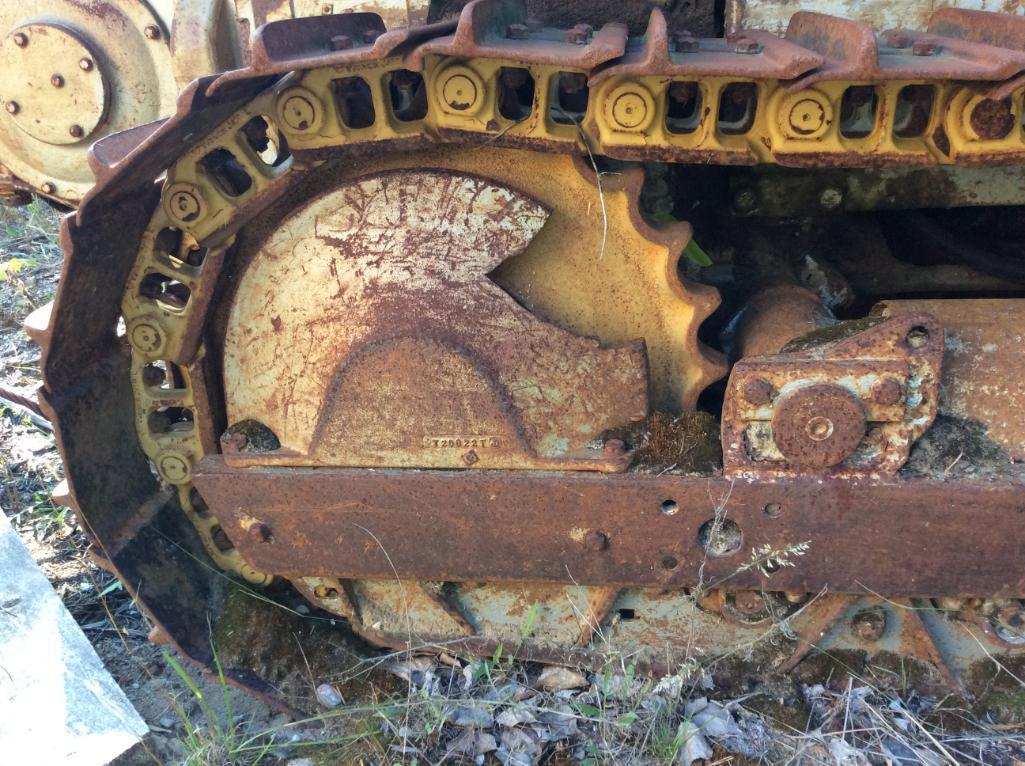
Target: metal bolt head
152	32
886	392
57	81
75	131
12	107
615	447
20	39
924	48
596	540
85	64
341	43
758	392
579	34
747	45
517	32
869	624
260	532
830	198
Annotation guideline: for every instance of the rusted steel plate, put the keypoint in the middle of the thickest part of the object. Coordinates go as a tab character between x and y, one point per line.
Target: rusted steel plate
366	331
895	537
982	377
485	30
852	52
842	403
752	54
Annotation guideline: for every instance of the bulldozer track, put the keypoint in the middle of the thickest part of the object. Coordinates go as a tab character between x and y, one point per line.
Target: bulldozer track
327	100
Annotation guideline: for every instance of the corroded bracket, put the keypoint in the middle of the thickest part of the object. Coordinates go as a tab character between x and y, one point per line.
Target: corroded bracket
851	405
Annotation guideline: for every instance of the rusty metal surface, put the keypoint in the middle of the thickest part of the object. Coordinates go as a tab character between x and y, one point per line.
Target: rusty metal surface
982	378
852	52
845	404
774	15
749	54
366	332
535	525
773	317
491	29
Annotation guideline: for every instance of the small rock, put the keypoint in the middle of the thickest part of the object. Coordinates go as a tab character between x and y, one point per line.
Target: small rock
695	747
472	743
328	696
555	678
468	716
515	715
166	722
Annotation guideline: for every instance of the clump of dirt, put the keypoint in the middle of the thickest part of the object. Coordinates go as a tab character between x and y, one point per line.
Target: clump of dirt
956	448
663	443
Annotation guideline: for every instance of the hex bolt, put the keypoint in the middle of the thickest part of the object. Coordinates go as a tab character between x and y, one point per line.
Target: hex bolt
869	624
758	392
12	107
85	64
341	43
152	32
685	42
924	48
57	81
579	34
886	392
596	540
615	447
20	39
75	131
831	198
260	532
747	45
517	32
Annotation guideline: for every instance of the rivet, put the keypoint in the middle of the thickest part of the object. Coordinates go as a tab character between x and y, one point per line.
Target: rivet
152	32
758	392
20	39
57	81
75	131
85	64
49	187
886	392
596	540
12	107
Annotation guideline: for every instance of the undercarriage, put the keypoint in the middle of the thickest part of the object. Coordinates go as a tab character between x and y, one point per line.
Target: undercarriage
488	335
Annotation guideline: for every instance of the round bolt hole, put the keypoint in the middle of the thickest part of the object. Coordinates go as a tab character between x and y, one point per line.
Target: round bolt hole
669	507
917	337
720	538
668	562
772	510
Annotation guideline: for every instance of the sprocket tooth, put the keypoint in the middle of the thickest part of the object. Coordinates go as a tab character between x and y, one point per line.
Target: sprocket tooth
38	327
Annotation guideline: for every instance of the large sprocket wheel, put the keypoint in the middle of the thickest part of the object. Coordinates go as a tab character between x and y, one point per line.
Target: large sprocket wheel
548	290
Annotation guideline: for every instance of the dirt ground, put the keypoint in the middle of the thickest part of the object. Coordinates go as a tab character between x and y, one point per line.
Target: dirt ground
416	710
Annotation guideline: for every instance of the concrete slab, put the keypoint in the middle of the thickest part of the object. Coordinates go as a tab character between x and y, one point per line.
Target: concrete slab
58	703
